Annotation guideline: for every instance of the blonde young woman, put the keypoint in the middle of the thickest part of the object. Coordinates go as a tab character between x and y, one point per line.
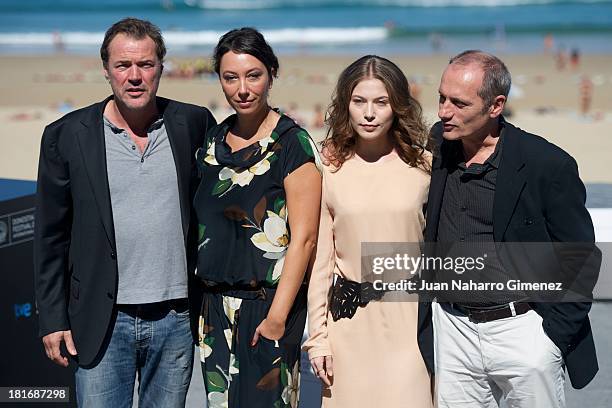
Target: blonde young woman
365	351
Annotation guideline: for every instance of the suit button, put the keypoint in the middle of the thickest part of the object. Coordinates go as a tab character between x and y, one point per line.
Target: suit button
528	221
110	295
113	255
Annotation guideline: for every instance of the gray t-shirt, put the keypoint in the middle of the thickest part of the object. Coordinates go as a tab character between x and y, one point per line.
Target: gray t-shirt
146	215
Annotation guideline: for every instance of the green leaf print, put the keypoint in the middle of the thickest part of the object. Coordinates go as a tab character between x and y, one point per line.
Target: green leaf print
279	203
233	366
305	142
221	186
215	382
209	341
278	404
283	374
269	279
274	135
201	229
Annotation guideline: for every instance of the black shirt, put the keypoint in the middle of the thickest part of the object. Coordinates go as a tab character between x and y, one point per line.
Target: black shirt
467	210
466	217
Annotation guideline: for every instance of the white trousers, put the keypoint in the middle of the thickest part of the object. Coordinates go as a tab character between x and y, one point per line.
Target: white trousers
481	364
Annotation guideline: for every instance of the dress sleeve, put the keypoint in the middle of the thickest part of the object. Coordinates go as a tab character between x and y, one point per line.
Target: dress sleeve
320	283
299	149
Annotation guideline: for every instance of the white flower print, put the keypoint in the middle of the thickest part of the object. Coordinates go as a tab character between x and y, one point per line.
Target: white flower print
233	366
265	142
204	342
218	399
291	391
275	238
230	305
243	177
210	155
278	269
228	337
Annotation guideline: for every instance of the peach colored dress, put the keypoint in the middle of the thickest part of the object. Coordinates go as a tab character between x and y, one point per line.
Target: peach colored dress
376	358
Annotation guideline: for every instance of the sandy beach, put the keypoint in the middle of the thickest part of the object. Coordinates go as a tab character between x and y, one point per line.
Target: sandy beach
39	89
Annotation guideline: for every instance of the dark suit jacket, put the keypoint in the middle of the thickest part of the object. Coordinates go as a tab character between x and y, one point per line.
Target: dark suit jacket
538	198
74	245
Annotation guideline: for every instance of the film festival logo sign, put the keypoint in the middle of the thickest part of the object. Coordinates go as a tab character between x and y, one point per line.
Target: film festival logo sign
16	228
3	232
484	272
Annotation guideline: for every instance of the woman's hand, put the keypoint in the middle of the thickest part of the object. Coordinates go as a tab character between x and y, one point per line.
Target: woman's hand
323	368
270	329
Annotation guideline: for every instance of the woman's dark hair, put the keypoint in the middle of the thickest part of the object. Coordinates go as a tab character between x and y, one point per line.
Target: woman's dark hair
246	40
408	133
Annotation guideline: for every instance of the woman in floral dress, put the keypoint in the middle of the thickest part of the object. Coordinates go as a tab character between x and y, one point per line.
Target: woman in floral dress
365	350
257	207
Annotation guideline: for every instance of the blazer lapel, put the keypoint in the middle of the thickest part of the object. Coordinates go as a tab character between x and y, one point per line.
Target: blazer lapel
510	182
176	129
93	150
439	173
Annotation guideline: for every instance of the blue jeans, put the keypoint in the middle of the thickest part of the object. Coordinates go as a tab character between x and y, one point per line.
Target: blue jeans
153	341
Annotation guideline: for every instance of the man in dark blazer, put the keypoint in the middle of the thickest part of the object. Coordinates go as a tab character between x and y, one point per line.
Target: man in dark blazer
493	182
114	243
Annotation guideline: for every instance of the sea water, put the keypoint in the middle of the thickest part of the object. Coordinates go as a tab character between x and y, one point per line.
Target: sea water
318	26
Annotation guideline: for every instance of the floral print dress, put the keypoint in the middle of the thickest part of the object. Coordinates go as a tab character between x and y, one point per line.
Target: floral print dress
243	237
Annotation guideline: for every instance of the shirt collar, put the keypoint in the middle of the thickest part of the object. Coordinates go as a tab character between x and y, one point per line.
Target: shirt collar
157	123
493	160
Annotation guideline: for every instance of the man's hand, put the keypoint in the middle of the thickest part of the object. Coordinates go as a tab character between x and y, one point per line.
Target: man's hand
322	366
52	344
